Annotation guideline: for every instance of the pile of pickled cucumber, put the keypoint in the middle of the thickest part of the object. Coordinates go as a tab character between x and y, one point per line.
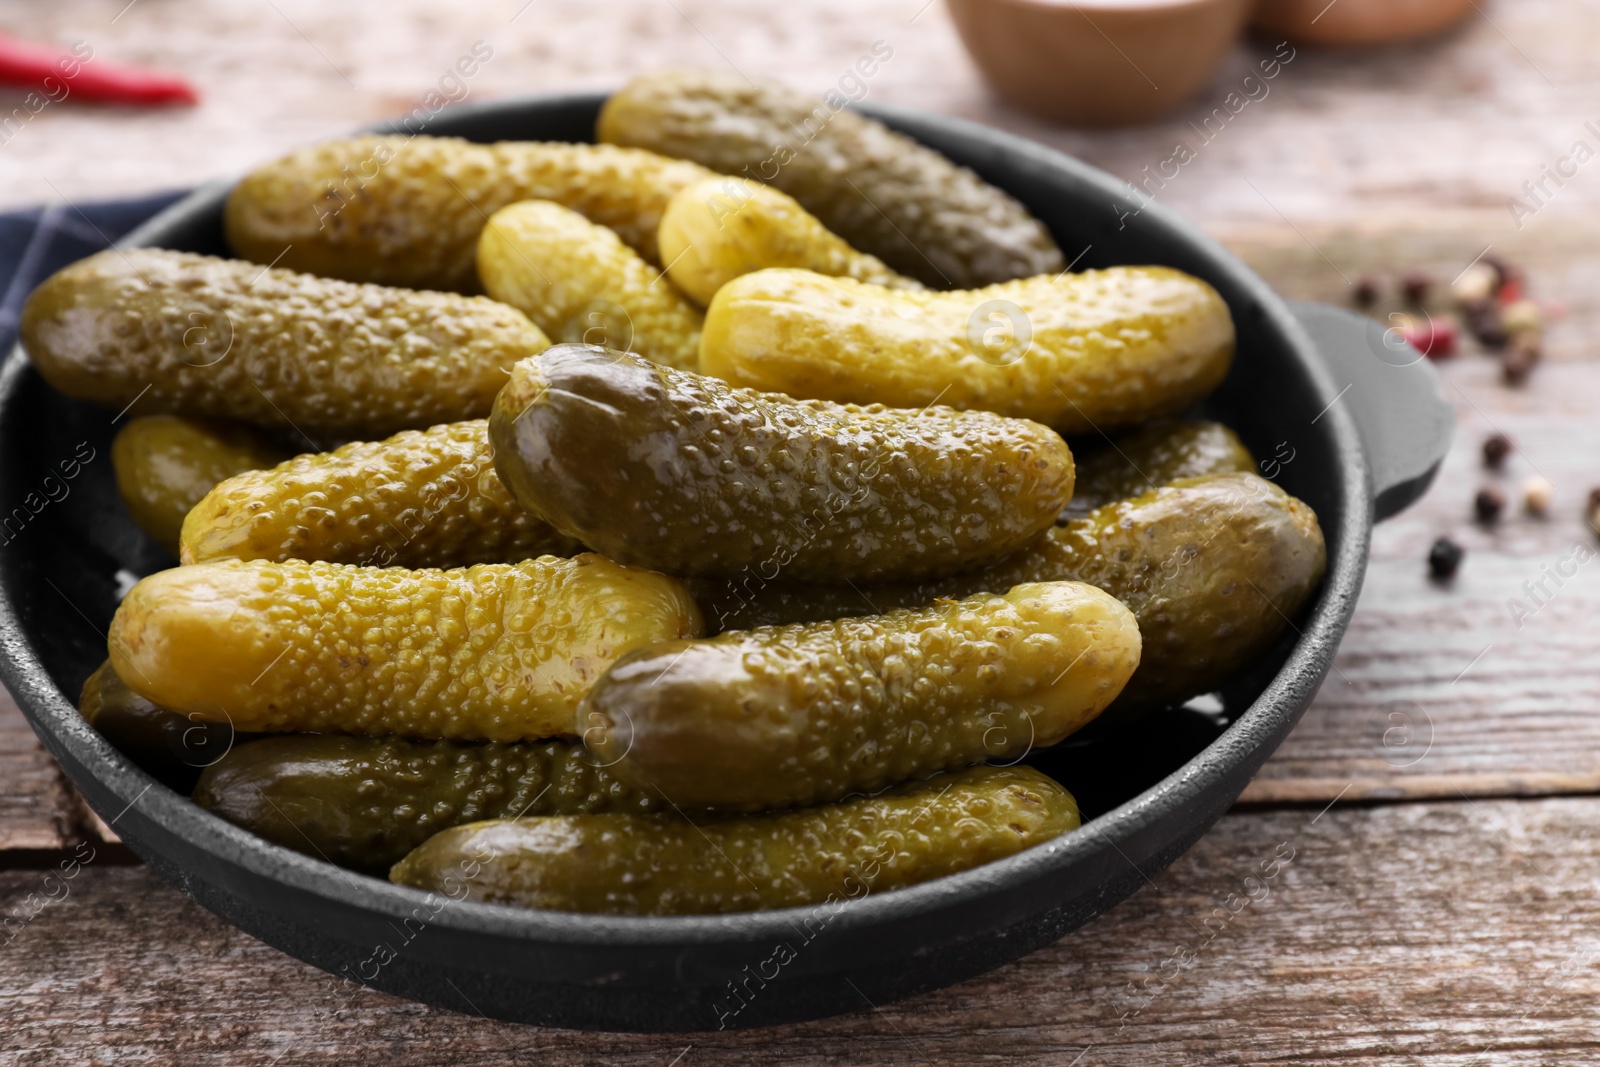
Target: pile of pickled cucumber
657	526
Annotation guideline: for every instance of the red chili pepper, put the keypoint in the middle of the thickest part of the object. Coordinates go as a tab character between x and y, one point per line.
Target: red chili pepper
62	73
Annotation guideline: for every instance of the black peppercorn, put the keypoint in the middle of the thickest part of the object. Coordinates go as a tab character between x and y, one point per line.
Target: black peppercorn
1485	322
1444	558
1366	292
1496	447
1489	503
1520	359
1415	285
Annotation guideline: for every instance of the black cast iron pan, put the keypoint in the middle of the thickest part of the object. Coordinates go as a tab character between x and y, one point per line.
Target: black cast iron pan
1361	415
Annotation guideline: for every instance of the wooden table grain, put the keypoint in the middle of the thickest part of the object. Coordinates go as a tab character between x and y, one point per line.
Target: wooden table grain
1435	901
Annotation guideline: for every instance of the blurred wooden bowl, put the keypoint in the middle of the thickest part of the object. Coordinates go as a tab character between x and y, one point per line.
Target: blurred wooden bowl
1346	22
1098	62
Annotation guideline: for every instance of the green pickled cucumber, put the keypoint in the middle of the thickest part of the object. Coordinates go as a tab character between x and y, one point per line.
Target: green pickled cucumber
171	748
634	865
423	498
165	465
408	210
363	802
579	282
688	475
722	228
183	334
1214	568
808	713
496	652
1087	352
1154	455
879	190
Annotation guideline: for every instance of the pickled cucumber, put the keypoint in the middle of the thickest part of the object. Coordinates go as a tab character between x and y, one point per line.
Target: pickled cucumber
171	748
193	335
1079	352
639	865
423	498
808	713
1214	568
879	190
579	282
364	802
687	475
1158	454
719	229
165	464
408	210
496	652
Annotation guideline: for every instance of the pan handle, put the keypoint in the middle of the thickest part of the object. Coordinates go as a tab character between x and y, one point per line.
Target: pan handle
1394	394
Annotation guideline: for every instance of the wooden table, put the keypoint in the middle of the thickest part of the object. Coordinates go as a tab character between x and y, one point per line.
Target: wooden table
1438	798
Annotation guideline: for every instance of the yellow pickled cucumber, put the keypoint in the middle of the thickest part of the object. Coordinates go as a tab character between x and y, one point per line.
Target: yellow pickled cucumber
578	282
1214	568
408	210
1078	352
194	335
685	474
643	865
807	713
166	464
422	498
880	190
719	229
497	652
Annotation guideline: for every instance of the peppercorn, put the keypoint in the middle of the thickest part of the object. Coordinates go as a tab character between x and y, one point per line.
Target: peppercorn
1475	285
1415	285
1496	447
1503	270
1520	359
1489	503
1592	513
1522	316
1366	292
1435	338
1444	559
1486	323
1537	492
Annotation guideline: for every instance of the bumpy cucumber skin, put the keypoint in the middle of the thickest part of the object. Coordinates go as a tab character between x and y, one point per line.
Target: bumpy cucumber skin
633	865
879	190
194	335
1151	456
807	713
496	652
1214	568
422	498
165	464
687	475
363	802
571	277
1104	349
408	210
170	748
722	228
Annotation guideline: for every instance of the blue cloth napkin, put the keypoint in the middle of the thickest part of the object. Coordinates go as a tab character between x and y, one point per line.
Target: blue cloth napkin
38	241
